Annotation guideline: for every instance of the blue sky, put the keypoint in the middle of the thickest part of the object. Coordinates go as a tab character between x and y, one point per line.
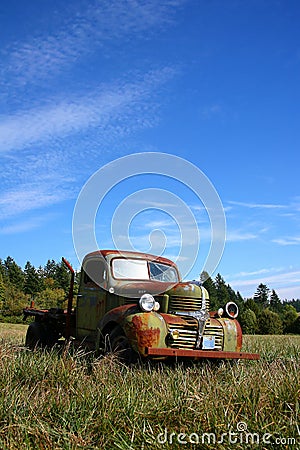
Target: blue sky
216	83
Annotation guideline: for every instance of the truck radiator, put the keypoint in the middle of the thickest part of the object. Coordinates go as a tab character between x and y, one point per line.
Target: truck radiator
187	333
186	304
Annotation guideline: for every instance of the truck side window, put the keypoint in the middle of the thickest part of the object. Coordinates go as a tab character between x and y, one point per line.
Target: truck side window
94	273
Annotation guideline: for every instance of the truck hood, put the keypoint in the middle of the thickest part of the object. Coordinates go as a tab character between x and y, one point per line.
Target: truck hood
136	289
185	289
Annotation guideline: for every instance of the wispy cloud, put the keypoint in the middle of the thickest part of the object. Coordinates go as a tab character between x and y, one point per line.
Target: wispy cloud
244	234
284	282
88	26
257	205
117	102
22	199
287	241
159	224
210	111
37	145
263	271
239	235
46	147
23	226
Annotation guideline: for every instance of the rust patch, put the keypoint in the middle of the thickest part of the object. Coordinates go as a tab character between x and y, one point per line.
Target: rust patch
239	336
147	337
175	320
198	354
214	322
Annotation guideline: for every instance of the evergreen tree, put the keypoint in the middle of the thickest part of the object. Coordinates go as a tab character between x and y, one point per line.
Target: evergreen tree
222	291
295	328
240	302
3	271
50	269
210	286
14	273
296	304
62	277
236	298
2	292
41	276
32	283
261	296
275	303
250	304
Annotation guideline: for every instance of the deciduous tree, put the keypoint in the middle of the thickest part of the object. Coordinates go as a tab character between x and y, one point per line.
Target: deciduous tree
248	322
269	322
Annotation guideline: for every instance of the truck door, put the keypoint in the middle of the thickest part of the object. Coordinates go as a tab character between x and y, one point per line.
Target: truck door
92	295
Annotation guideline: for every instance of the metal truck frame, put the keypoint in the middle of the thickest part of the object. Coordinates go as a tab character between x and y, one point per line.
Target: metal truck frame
137	305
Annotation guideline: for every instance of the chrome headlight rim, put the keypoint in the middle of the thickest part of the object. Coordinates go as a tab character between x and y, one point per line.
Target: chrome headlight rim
147	303
230	314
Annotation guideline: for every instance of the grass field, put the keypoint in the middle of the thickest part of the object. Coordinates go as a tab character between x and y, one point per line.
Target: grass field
52	401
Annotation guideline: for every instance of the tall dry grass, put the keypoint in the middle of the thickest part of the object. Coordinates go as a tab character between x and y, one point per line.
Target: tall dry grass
52	400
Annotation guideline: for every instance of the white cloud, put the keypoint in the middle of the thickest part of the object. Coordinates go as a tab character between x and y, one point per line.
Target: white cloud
154	224
116	103
22	226
47	147
210	111
24	199
239	235
83	31
286	281
257	205
287	241
256	272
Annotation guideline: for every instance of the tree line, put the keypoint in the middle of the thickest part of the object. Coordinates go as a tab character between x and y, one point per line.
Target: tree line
264	313
48	287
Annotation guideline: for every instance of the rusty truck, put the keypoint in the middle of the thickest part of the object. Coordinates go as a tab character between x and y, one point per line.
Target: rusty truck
136	304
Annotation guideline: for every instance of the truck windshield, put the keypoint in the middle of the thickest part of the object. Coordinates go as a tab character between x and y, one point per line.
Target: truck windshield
137	269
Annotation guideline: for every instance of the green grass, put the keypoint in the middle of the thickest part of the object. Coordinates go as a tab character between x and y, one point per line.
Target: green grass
11	332
71	401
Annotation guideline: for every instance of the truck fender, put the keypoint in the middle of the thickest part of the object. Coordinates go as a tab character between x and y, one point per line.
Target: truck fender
143	329
232	334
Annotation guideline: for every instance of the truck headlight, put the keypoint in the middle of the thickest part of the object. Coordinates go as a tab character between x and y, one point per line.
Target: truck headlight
232	310
147	302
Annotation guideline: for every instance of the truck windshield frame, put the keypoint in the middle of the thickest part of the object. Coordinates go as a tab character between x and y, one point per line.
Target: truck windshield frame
143	270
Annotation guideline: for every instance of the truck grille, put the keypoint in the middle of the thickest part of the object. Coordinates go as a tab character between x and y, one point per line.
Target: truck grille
187	333
186	304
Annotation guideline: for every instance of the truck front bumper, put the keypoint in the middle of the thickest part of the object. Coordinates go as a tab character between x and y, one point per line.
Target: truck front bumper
198	354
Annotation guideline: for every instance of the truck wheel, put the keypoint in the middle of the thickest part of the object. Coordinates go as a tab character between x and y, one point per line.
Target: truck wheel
35	336
120	346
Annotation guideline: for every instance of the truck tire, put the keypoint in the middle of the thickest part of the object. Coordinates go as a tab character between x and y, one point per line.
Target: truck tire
120	346
35	336
40	336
